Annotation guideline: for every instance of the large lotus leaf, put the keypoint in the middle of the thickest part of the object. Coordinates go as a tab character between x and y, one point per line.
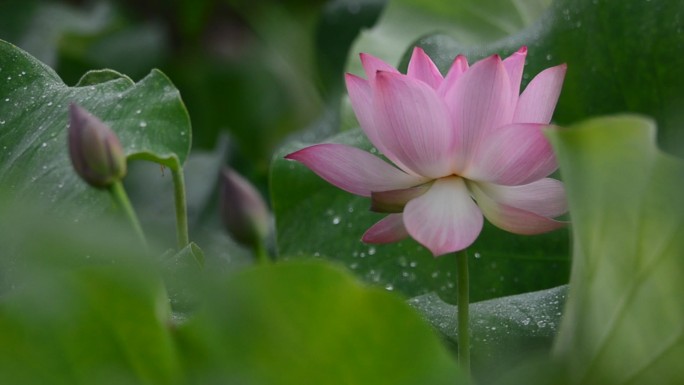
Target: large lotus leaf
623	321
149	118
309	323
621	56
315	218
505	332
474	22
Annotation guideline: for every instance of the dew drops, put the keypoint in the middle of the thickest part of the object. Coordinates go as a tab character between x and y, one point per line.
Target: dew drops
49	104
541	324
138	111
43	145
182	133
336	220
373	276
549	57
371	250
389	287
478	255
143	124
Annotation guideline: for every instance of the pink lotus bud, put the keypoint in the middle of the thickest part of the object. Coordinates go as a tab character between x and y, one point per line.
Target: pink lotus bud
95	150
243	210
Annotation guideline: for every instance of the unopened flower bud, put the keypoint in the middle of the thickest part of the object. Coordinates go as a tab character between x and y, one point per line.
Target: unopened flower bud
95	150
243	210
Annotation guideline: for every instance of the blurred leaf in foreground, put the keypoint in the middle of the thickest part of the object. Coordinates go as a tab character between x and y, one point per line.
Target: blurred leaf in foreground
82	306
307	322
624	319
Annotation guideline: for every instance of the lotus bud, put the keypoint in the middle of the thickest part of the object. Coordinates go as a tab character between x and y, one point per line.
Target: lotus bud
243	210
95	150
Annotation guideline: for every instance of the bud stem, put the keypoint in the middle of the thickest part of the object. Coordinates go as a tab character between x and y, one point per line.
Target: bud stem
181	206
119	194
260	253
463	312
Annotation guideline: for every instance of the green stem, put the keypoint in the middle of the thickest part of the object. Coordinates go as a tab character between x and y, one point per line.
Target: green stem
261	254
119	194
463	312
181	206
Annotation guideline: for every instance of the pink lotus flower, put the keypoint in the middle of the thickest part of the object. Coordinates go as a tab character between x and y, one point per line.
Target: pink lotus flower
464	145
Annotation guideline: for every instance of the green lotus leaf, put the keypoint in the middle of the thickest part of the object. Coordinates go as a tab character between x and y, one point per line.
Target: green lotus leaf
623	319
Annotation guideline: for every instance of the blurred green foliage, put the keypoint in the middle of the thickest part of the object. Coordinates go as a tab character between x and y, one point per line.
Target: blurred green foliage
623	320
243	68
85	305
